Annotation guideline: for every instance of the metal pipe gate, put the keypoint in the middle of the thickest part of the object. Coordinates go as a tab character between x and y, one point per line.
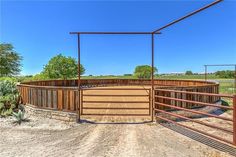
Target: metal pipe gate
164	97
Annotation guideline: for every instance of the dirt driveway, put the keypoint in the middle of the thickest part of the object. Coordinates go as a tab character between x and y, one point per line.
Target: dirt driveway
46	137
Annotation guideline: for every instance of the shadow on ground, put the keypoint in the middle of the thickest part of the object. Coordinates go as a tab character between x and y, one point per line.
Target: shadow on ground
202	139
94	122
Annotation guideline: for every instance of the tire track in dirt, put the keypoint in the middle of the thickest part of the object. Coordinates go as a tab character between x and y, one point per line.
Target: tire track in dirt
100	139
127	145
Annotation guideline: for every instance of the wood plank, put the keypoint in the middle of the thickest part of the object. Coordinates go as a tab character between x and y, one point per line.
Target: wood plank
60	99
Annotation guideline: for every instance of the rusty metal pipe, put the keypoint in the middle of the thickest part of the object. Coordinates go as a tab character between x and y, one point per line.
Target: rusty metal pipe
78	107
188	15
196	121
195	102
134	33
196	93
234	120
193	111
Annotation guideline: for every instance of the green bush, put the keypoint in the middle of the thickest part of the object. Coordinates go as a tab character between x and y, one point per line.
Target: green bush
225	74
13	79
9	97
17	78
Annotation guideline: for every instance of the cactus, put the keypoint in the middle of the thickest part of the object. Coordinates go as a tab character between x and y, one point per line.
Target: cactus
20	115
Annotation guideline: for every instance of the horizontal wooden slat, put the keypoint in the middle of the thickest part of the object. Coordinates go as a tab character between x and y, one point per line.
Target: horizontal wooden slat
116	108
116	102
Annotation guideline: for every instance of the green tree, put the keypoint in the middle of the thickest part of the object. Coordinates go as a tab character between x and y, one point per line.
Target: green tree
10	60
62	67
225	74
144	71
188	72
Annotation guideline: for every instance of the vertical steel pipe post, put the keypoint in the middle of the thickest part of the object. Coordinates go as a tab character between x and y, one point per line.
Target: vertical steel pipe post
235	79
234	120
78	106
152	78
205	72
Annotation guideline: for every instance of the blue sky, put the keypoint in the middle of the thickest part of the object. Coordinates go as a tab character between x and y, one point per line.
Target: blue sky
40	30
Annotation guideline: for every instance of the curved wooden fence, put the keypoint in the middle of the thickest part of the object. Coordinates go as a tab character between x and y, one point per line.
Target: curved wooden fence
108	82
62	95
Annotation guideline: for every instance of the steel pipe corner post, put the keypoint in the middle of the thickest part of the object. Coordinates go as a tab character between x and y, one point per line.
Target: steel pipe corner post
234	120
235	79
152	78
78	106
205	72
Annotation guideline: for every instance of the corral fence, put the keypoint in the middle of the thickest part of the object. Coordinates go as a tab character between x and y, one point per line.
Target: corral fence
50	97
167	97
62	95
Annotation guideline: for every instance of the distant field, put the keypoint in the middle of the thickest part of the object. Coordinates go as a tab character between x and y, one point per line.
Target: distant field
210	76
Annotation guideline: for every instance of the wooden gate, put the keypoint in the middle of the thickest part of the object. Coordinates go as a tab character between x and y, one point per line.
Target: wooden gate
115	101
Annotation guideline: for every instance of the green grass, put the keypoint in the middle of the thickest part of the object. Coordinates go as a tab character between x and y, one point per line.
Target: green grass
226	87
109	77
174	77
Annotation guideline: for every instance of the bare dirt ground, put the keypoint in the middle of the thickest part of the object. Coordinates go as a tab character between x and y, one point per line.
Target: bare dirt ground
47	137
55	138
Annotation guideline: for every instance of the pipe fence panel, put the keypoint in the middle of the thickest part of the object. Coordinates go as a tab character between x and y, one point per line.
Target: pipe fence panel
165	109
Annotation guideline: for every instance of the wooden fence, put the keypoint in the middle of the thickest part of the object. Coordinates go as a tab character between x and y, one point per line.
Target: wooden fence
62	95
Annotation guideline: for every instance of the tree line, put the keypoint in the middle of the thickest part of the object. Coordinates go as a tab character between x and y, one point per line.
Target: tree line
66	67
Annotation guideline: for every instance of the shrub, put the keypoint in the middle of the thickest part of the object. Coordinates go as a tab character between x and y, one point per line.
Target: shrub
9	97
225	74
